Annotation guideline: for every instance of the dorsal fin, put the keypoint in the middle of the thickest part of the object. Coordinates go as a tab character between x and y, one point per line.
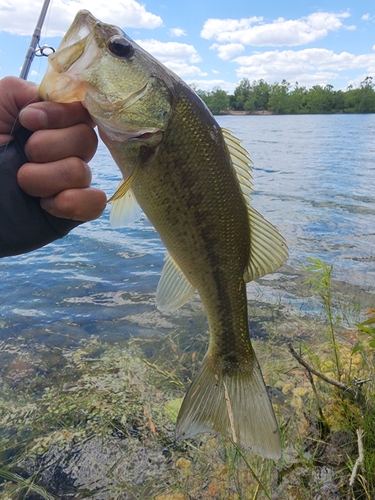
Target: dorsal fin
268	249
241	163
173	290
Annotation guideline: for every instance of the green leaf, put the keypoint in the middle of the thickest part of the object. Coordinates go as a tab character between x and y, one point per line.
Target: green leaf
172	408
356	348
365	329
369	321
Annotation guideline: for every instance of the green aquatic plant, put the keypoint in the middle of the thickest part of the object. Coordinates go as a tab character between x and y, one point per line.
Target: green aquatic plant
345	396
321	281
368	327
16	485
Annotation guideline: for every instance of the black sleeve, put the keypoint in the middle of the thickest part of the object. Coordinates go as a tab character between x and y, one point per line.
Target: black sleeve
24	225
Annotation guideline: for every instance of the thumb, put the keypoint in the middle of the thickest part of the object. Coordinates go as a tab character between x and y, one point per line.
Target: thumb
15	93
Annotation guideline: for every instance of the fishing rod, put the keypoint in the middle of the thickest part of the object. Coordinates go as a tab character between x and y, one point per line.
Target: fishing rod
33	50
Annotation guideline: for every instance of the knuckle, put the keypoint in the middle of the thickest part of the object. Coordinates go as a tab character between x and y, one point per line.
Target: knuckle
80	204
75	172
86	140
34	148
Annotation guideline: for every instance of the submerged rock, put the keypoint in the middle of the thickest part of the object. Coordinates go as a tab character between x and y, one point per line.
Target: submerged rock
101	470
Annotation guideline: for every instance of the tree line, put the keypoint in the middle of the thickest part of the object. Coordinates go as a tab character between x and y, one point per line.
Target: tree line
283	98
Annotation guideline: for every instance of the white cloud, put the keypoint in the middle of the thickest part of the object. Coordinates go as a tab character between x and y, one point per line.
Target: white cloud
320	78
177	32
170	51
310	66
20	16
356	82
227	51
281	32
367	17
184	70
175	56
211	84
212	27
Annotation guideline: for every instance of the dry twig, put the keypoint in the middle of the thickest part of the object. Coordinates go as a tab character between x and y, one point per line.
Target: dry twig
359	459
311	369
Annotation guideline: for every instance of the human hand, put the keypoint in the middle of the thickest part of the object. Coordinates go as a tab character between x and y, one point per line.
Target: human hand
58	151
44	177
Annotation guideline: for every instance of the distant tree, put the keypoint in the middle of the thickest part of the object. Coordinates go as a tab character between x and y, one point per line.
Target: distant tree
216	100
320	99
279	97
219	101
338	101
366	96
350	99
362	99
205	96
251	96
250	104
261	91
241	94
297	101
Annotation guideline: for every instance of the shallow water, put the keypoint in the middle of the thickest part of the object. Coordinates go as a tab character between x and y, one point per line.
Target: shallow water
314	179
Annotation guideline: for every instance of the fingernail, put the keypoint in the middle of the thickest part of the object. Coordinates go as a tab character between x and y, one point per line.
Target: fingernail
33	118
47	203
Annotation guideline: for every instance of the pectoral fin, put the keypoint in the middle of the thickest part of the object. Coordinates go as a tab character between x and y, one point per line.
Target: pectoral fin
125	208
124	185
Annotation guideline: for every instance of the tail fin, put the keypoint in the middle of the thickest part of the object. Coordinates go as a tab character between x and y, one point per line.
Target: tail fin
234	404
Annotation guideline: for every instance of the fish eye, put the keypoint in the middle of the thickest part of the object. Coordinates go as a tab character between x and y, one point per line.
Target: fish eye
120	47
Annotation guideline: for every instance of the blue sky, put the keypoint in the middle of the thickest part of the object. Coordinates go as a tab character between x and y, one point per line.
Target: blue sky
210	43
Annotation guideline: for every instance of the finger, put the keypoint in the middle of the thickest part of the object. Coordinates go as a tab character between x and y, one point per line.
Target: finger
48	179
77	204
14	94
51	145
45	114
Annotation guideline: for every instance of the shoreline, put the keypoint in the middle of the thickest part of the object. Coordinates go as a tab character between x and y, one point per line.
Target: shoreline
243	113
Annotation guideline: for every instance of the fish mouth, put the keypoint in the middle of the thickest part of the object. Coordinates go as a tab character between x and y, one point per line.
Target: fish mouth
82	44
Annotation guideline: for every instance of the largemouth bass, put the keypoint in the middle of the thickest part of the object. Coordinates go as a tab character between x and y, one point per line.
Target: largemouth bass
193	181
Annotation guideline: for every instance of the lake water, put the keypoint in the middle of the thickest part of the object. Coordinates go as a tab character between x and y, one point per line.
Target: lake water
314	178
